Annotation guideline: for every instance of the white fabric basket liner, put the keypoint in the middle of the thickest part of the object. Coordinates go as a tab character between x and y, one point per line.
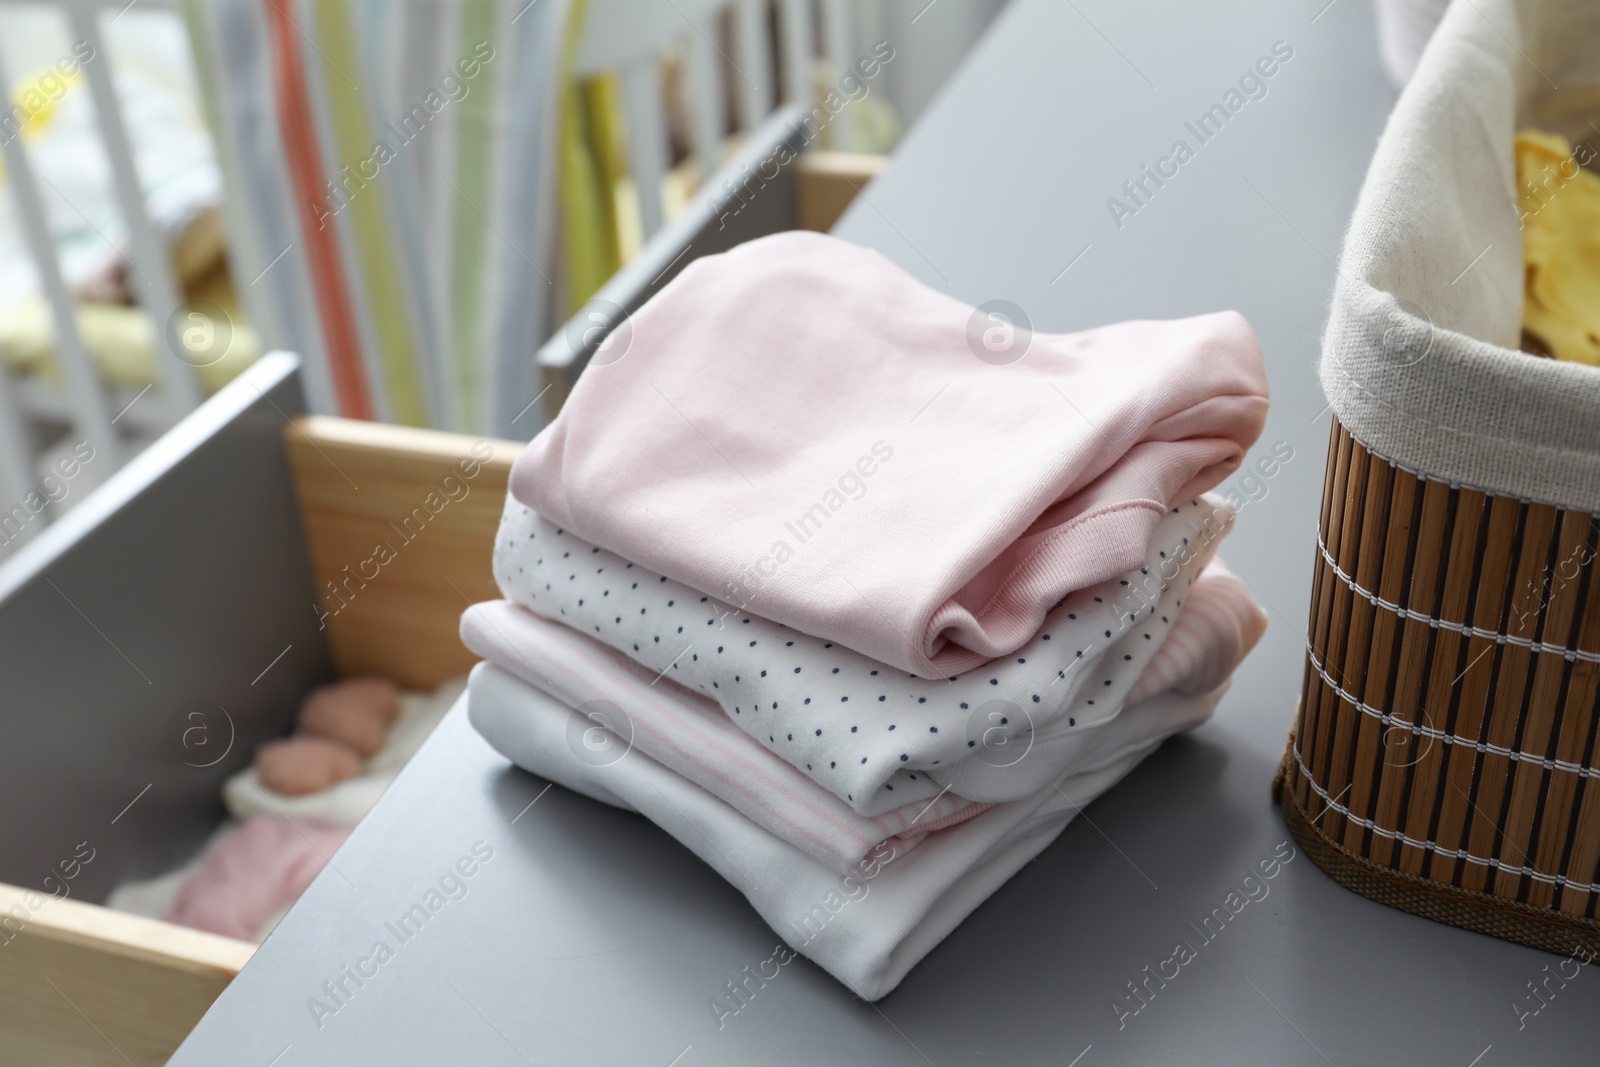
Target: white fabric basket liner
1420	359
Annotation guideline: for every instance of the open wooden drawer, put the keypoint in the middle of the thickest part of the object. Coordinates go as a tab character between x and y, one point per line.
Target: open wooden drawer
171	621
160	630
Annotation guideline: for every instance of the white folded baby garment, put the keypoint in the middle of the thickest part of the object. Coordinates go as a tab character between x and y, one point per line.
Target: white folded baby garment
867	928
874	736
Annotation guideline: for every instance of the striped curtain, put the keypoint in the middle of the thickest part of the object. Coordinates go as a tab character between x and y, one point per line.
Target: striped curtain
391	175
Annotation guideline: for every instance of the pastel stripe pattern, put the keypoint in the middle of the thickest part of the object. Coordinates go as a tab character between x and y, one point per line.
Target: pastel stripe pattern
325	258
519	291
470	186
1219	626
370	223
264	248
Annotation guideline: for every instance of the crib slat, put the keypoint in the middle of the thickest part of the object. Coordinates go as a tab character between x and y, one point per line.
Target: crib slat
158	293
795	39
647	138
705	94
836	38
90	417
752	55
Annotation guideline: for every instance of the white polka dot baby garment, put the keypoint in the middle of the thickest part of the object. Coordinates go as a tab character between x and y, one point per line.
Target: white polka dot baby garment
874	736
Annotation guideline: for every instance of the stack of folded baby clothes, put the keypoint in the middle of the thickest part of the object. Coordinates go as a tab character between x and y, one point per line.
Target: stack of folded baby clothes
857	612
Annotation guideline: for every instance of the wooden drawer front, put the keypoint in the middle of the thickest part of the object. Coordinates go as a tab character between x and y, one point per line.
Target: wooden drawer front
82	984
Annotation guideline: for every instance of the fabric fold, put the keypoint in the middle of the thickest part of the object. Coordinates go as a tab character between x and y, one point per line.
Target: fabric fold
875	737
867	928
855	463
690	735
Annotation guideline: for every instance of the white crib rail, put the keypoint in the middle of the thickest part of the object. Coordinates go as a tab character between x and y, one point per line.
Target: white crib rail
154	284
839	47
82	399
90	418
799	46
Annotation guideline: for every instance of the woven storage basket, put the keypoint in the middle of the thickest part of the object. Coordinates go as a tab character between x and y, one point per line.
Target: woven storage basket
1441	761
1444	757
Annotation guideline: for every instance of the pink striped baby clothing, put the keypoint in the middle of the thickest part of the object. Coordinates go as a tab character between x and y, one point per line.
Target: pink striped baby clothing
643	713
1221	623
800	427
688	733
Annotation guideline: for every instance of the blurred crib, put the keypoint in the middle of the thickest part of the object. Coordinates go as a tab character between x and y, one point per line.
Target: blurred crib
66	429
411	196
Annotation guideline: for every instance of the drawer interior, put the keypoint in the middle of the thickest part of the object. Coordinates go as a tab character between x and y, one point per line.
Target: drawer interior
356	545
399	524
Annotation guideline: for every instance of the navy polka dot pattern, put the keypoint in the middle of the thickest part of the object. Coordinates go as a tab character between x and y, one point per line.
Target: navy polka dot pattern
855	726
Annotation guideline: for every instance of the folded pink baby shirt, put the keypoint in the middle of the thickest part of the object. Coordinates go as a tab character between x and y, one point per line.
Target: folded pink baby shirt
800	427
256	871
